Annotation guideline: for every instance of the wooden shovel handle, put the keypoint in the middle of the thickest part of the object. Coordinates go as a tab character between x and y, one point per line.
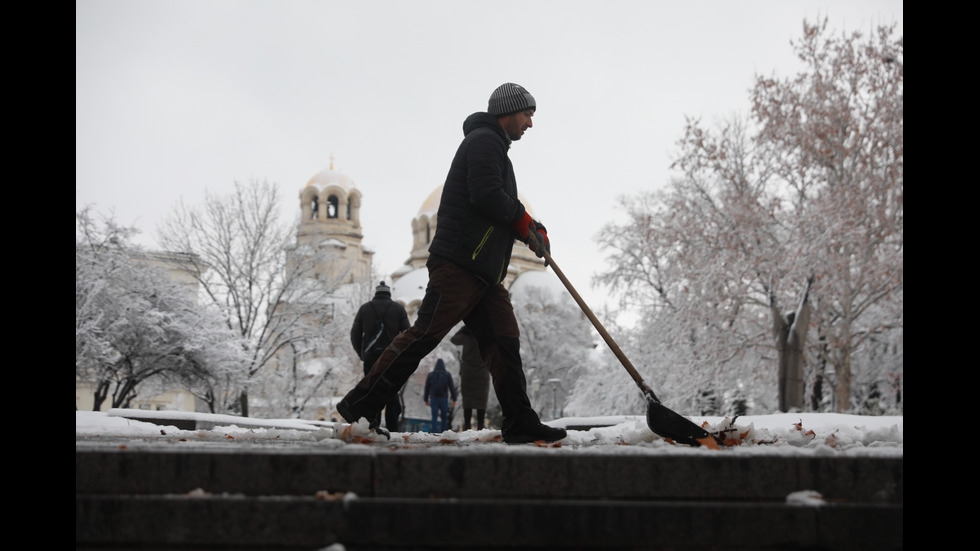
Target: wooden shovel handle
598	326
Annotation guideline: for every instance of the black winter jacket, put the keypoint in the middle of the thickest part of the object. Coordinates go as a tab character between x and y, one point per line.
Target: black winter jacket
479	202
392	314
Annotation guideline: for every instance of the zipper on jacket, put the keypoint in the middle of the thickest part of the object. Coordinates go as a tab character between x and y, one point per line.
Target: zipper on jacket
486	236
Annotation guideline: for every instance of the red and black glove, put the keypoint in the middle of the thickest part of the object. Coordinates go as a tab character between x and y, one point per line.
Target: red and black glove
534	234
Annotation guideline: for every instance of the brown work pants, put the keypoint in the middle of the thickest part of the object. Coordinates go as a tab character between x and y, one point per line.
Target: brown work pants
453	295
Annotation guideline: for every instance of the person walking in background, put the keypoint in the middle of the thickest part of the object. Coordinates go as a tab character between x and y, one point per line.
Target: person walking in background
376	324
479	218
474	378
438	387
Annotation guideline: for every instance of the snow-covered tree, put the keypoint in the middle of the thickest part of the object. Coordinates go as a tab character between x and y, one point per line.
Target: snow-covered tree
810	189
690	261
836	135
277	302
307	373
135	326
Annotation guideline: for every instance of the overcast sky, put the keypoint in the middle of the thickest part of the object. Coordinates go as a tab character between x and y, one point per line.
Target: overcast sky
177	97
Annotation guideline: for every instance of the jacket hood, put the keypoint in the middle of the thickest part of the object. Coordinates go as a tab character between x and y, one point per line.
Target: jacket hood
440	365
483	120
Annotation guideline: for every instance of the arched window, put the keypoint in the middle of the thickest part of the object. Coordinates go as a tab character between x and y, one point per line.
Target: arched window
316	208
332	204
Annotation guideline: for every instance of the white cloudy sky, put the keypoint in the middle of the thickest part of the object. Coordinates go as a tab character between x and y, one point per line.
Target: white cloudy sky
177	97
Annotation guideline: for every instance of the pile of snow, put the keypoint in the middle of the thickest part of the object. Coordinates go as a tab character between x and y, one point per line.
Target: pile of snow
788	433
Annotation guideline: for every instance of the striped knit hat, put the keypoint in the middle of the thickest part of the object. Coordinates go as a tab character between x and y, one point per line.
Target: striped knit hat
510	98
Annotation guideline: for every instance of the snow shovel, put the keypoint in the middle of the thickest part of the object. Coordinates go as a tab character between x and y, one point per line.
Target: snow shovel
661	420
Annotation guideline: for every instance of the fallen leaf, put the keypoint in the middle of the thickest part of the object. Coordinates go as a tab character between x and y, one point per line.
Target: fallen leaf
729	442
708	442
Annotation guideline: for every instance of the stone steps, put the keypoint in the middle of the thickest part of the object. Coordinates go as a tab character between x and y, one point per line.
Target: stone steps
488	497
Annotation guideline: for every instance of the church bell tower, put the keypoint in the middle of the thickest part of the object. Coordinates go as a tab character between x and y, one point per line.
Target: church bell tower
330	227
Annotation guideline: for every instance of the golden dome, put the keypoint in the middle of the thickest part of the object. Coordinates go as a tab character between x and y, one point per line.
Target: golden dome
431	204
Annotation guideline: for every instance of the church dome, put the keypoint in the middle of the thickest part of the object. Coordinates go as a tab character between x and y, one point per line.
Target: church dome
331	178
431	205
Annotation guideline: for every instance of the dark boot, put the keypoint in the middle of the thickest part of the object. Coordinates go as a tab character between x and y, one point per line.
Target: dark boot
374	421
345	411
525	433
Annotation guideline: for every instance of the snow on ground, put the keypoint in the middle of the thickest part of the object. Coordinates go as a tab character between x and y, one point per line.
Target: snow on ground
784	433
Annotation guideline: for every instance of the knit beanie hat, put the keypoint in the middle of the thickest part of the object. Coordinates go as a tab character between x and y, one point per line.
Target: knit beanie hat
382	288
510	98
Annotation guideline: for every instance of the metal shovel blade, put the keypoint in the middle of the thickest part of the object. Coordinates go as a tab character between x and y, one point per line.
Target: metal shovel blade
667	423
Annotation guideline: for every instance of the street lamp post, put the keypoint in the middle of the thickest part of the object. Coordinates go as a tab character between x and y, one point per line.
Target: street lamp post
554	397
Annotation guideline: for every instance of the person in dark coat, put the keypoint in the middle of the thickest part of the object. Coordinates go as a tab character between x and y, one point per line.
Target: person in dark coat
438	387
474	379
479	217
376	324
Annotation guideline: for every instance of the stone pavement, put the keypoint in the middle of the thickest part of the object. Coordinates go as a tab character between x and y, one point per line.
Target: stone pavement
482	497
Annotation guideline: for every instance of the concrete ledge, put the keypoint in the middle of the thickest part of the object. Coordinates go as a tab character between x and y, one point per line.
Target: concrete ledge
169	522
489	475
